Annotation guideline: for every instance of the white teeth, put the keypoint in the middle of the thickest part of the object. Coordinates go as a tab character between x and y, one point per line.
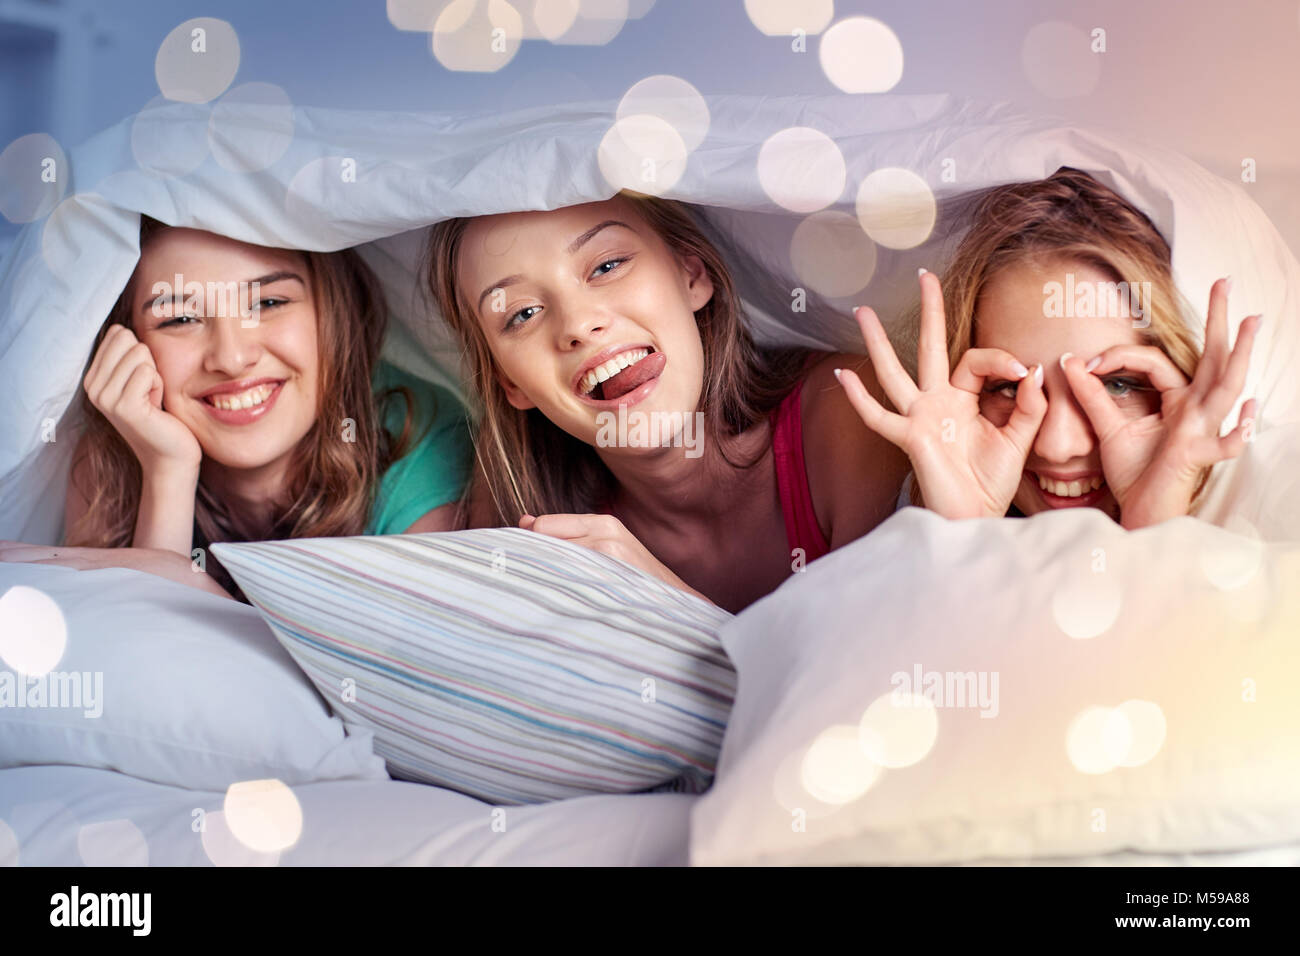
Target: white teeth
246	399
1070	489
609	369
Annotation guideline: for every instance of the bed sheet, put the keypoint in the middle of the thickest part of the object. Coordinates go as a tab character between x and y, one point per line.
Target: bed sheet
70	816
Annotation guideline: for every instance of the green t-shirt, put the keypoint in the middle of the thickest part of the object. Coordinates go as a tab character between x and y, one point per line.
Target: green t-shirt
434	469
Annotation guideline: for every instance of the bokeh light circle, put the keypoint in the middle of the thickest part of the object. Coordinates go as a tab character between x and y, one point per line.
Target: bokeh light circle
1058	60
223	848
1098	739
251	127
898	730
197	61
1088	604
834	769
643	153
553	18
264	815
33	177
783	17
112	843
1147	729
33	631
477	36
831	255
861	55
673	100
896	208
801	169
788	789
597	22
169	138
415	16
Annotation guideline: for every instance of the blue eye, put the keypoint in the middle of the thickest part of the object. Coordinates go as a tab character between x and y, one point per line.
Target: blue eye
608	262
1119	387
514	320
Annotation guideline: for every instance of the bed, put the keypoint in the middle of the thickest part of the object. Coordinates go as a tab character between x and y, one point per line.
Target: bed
1197	618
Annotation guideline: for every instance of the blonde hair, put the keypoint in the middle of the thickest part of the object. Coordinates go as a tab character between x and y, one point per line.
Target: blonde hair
332	483
527	464
1068	215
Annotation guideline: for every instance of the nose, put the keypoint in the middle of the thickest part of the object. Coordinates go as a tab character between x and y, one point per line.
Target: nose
231	348
1065	434
580	321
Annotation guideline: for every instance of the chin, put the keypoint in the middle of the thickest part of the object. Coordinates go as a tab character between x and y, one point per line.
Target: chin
250	453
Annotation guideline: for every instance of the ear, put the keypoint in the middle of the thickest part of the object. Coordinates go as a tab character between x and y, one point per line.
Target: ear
699	287
514	394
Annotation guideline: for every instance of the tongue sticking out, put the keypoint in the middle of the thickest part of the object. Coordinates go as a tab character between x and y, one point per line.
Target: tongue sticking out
619	385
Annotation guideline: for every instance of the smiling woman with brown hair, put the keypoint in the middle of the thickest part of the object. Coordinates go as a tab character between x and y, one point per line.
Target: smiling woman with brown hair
577	318
266	414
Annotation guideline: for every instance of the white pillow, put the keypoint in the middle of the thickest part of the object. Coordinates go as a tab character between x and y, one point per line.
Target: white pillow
501	663
159	681
1183	626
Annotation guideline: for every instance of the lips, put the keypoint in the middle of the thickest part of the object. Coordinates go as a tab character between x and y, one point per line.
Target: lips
615	374
244	402
1080	491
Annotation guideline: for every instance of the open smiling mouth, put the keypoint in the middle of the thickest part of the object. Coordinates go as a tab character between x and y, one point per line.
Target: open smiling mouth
1081	492
621	374
246	406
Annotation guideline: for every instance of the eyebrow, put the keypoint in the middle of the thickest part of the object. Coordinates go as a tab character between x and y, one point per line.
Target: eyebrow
573	247
179	294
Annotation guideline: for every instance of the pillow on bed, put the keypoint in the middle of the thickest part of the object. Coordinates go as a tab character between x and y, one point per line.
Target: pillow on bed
1048	687
159	681
503	664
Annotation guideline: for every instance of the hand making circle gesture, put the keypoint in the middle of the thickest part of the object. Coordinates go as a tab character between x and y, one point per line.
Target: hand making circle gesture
1154	463
965	465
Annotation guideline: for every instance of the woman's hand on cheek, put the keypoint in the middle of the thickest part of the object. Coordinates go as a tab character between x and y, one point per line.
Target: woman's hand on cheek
166	564
966	466
606	534
1154	463
124	384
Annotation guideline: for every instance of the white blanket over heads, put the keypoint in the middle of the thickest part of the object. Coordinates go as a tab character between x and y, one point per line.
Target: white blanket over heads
330	179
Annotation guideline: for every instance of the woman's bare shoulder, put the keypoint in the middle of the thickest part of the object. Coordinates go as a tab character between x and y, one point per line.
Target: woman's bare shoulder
853	473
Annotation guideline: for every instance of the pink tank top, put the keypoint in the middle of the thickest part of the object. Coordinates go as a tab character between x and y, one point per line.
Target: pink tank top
801	528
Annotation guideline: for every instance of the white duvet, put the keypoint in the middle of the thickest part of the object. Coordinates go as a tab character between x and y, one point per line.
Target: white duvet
63	274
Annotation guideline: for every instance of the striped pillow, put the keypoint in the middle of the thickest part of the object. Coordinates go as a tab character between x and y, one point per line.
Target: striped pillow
499	662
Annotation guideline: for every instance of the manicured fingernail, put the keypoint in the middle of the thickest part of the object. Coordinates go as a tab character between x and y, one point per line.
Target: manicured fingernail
837	373
1227	285
1092	363
1062	359
1038	374
1020	370
922	271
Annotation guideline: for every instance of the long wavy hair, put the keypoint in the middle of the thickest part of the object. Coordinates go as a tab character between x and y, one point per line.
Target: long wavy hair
332	482
1068	215
528	465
